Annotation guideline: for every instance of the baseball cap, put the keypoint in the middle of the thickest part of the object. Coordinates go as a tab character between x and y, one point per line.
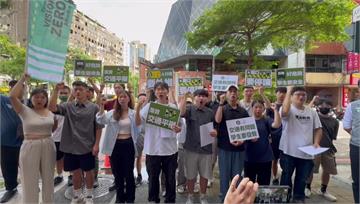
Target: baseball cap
232	85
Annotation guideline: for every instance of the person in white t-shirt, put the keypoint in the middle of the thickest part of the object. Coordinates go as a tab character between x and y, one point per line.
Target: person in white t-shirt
160	147
301	127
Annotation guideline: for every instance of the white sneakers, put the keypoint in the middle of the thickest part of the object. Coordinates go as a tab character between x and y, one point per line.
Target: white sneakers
196	188
203	199
181	189
307	192
327	196
210	182
77	200
190	199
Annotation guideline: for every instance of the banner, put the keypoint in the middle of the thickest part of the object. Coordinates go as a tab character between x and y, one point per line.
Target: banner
162	116
258	78
221	82
290	77
49	24
353	62
242	129
116	74
163	75
189	85
87	68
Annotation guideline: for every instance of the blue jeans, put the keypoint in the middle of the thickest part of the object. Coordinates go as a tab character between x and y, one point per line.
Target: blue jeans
354	159
230	164
303	169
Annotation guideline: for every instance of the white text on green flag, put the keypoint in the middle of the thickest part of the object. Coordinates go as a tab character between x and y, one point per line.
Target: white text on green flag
48	34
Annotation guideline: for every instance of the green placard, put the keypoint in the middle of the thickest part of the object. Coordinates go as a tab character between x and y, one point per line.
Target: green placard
164	75
87	68
189	85
49	24
162	116
258	78
290	77
116	74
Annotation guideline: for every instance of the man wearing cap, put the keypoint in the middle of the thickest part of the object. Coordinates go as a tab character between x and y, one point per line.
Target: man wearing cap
198	159
231	155
351	123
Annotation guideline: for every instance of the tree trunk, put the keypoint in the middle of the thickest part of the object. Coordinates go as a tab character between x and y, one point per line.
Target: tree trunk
251	52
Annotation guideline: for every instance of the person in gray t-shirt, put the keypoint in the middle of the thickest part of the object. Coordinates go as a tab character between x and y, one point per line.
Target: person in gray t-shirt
78	141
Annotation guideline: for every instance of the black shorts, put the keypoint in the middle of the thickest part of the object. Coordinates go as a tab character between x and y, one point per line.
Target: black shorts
85	162
59	153
275	147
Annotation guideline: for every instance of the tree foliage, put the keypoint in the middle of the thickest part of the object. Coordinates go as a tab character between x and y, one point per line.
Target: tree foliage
12	58
244	28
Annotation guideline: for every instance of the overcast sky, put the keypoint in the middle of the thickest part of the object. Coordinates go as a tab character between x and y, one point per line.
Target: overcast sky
142	20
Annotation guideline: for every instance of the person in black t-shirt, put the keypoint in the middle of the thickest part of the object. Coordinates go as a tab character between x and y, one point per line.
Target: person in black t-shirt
330	127
276	133
231	155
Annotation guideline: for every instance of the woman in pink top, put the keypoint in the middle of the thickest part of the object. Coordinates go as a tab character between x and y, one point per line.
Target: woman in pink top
37	153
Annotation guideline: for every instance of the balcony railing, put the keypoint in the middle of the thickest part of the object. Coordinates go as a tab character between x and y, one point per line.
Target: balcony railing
324	69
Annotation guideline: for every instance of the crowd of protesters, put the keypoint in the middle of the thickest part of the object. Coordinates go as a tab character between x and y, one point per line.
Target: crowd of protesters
63	132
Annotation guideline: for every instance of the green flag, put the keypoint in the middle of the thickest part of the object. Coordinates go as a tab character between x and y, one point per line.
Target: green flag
48	34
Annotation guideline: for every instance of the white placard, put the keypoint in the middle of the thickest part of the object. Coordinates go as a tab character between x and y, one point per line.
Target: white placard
356	14
205	137
311	150
221	82
242	129
258	78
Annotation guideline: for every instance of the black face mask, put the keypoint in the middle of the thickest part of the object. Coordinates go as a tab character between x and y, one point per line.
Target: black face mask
324	111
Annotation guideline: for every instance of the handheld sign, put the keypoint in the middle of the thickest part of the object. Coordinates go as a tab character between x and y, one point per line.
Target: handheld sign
258	78
242	129
221	82
116	74
49	24
162	116
290	77
163	75
88	68
186	85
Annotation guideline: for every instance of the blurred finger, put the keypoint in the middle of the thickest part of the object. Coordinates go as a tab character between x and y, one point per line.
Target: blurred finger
233	183
242	185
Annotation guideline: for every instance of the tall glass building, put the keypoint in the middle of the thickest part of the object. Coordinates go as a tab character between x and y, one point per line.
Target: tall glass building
174	51
182	15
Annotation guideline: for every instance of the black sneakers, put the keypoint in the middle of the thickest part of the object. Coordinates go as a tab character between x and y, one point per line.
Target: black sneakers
138	180
275	182
8	195
58	180
113	187
70	183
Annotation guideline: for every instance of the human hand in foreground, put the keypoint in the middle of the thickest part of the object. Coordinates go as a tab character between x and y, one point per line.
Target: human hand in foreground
245	193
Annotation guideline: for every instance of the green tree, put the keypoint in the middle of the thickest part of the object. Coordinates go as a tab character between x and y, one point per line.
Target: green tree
12	58
133	84
244	28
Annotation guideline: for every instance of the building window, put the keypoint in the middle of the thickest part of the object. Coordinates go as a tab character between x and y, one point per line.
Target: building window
310	62
71	31
325	63
85	23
